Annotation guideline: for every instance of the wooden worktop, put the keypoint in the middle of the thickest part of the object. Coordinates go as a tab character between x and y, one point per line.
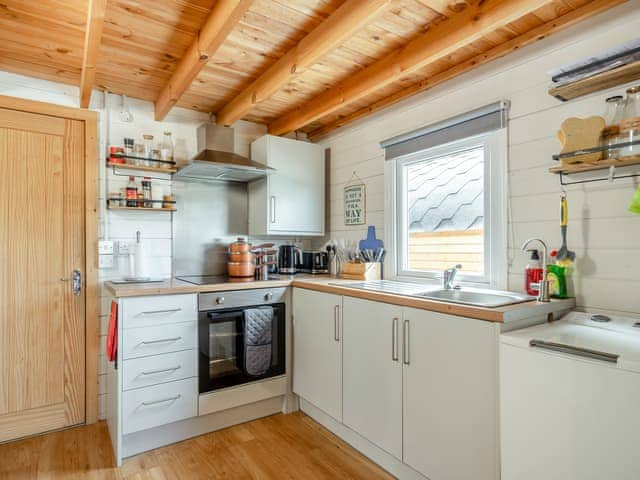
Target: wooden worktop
338	286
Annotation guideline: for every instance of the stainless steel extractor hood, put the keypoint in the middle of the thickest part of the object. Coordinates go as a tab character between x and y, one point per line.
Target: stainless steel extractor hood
218	159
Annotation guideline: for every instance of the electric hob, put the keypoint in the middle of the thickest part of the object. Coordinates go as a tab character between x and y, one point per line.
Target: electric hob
218	279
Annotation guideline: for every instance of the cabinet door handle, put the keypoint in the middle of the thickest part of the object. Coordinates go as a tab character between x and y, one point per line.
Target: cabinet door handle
405	343
163	400
164	370
159	312
273	209
394	339
162	340
336	323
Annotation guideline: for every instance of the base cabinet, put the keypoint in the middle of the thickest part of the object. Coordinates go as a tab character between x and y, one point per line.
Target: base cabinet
419	385
372	372
317	349
450	390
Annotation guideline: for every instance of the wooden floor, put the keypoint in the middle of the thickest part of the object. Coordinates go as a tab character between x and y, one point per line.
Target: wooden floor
277	447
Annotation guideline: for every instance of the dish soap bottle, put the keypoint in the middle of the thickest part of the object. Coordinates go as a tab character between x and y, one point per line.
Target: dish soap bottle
556	274
533	274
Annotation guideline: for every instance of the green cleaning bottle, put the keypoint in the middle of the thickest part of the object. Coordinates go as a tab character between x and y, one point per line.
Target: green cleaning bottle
557	276
635	202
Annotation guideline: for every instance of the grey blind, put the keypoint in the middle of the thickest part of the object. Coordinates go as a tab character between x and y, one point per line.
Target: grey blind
482	120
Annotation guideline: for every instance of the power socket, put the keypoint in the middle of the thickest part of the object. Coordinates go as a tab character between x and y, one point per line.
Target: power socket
105	247
124	248
105	261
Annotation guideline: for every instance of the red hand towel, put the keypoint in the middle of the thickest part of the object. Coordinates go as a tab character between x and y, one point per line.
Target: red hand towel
112	333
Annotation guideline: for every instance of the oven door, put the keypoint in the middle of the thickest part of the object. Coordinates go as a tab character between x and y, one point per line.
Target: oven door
224	353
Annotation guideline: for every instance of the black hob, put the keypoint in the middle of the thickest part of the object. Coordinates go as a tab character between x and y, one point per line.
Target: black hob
217	279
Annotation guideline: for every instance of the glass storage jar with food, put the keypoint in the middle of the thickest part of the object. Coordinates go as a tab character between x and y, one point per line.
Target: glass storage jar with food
611	133
630	125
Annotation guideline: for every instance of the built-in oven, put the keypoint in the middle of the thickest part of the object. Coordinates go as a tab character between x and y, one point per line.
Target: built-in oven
241	336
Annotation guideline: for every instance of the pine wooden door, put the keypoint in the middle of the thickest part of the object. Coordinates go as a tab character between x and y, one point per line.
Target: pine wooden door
42	320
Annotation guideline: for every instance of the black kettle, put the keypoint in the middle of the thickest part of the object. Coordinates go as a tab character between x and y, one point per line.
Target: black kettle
288	257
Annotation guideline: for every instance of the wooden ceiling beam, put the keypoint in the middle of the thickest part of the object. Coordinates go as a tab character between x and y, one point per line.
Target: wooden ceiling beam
92	39
539	33
222	19
445	38
341	24
446	7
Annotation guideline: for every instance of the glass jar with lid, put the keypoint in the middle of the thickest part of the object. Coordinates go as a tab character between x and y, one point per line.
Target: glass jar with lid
630	124
148	145
612	116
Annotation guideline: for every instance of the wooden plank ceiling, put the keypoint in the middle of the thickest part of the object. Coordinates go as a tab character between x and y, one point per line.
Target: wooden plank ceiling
305	65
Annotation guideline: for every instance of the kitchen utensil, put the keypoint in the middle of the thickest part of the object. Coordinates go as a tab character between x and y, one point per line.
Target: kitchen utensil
564	253
241	269
241	245
125	114
578	134
371	242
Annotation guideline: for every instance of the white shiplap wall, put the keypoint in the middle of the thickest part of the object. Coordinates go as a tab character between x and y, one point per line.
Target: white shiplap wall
601	231
156	227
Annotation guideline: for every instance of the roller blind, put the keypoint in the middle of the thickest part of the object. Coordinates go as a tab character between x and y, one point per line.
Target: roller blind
482	120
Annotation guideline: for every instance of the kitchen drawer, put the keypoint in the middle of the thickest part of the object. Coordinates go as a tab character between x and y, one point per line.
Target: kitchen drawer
145	341
158	309
158	405
146	371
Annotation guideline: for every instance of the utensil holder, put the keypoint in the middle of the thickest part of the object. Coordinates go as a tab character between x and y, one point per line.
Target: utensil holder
362	270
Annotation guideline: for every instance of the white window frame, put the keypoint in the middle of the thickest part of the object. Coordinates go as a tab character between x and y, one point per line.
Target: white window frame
495	211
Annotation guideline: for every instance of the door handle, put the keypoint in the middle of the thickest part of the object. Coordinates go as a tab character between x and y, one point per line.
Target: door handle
273	209
164	370
336	323
405	343
394	339
163	340
158	312
156	402
76	282
577	351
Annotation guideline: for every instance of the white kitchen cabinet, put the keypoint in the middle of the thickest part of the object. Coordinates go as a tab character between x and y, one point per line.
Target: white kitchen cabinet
317	349
290	201
450	389
372	372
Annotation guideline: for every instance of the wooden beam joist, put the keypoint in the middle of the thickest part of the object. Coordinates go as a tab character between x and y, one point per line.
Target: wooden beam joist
222	19
350	17
539	33
445	38
445	7
92	38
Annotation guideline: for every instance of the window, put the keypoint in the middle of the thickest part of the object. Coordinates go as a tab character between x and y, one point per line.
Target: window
449	210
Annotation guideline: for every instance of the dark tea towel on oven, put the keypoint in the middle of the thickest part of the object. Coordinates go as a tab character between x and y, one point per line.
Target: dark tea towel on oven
257	340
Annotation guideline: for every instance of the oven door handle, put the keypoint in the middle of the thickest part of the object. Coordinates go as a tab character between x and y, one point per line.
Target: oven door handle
577	351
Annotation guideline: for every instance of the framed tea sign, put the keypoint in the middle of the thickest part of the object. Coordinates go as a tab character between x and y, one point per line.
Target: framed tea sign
354	204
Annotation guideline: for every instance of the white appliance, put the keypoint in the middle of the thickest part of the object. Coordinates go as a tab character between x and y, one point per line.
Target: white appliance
570	400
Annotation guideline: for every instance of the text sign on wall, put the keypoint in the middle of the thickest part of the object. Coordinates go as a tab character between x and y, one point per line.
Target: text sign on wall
354	204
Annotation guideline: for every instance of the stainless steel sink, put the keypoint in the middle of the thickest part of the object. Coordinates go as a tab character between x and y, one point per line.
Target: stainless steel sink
476	297
465	296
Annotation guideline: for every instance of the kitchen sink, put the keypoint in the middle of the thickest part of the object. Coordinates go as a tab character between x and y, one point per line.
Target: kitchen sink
476	297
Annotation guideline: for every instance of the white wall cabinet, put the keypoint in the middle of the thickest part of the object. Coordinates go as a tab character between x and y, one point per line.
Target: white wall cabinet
372	372
317	350
450	389
290	201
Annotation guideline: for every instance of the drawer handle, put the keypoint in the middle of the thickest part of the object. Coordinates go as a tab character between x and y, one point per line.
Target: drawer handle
577	351
164	400
162	340
159	312
164	370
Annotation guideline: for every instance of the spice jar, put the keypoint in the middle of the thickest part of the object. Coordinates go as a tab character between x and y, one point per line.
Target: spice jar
613	117
630	125
146	192
167	201
148	145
